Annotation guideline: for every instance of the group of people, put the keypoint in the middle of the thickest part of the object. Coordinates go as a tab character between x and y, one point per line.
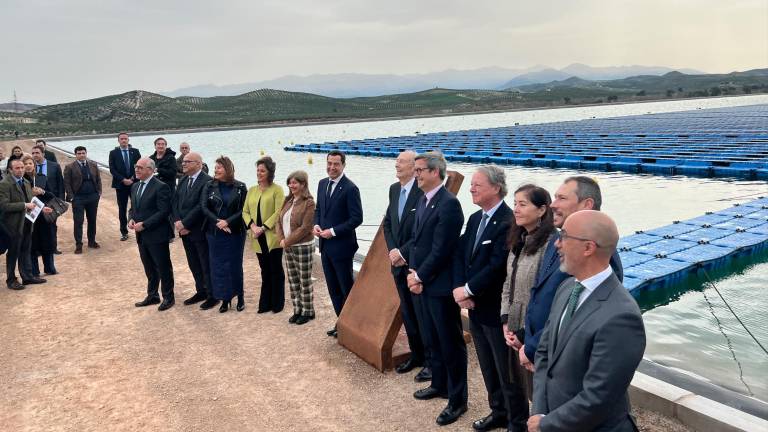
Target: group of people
162	196
541	280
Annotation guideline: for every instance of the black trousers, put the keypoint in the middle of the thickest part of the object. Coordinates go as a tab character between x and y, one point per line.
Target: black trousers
505	399
156	258
85	207
272	280
445	337
339	278
411	319
197	259
18	254
123	194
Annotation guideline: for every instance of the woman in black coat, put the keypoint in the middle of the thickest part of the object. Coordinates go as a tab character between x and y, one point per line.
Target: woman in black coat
222	201
43	242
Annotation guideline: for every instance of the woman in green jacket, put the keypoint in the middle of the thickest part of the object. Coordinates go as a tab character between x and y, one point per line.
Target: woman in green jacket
262	208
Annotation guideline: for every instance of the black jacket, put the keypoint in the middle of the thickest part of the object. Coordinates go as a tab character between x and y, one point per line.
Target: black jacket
186	205
153	209
166	168
211	202
117	166
486	268
399	233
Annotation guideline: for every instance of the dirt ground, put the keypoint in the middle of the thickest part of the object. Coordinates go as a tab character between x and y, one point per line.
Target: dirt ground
76	355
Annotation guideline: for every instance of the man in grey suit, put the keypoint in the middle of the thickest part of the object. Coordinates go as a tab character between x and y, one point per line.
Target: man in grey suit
188	221
594	338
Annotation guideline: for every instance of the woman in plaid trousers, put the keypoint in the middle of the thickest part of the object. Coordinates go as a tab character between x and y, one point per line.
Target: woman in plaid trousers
294	229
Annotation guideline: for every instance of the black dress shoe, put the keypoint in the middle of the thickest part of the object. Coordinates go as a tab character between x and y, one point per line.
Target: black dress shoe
149	301
33	281
429	393
51	273
165	305
78	249
15	285
224	306
209	304
240	303
124	237
451	414
424	375
303	319
293	318
407	366
489	422
195	299
94	245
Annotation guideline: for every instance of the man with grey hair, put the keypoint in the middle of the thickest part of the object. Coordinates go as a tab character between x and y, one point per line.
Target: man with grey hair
436	231
594	338
398	233
150	208
479	271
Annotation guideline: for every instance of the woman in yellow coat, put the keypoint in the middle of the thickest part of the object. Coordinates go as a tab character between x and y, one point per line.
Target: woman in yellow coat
261	211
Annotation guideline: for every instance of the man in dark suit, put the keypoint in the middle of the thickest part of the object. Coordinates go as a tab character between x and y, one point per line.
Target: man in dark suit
337	214
50	169
49	155
150	209
436	233
188	221
121	162
398	233
15	197
54	184
82	186
479	269
594	338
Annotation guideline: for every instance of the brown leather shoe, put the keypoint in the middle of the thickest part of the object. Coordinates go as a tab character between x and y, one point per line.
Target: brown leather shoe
78	249
94	245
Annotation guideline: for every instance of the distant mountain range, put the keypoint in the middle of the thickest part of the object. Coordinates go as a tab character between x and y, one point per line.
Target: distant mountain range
17	107
351	85
141	110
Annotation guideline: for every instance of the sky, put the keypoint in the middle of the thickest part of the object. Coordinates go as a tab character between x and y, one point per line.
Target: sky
58	51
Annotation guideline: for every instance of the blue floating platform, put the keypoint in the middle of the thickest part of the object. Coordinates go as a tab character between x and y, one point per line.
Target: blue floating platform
722	142
665	255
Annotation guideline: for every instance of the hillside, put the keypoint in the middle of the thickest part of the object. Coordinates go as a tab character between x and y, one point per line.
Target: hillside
17	107
140	110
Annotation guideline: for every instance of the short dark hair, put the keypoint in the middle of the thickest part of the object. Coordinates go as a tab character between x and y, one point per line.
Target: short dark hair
40	141
78	148
39	147
160	138
337	153
269	165
122	133
587	187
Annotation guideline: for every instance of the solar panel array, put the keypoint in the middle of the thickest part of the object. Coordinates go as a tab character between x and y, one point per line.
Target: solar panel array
724	142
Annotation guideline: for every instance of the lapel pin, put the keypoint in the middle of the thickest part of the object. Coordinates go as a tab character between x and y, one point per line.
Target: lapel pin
494	222
433	206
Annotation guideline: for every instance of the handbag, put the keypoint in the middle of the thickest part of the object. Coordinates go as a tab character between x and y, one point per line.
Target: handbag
59	207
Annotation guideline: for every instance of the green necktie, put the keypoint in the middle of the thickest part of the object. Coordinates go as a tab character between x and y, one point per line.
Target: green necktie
573	301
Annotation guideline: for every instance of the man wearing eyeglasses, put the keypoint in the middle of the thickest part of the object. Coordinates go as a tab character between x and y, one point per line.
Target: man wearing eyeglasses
121	162
187	216
436	231
150	210
594	339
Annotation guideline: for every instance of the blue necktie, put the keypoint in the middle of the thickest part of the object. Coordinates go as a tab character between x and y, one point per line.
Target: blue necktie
401	204
483	224
127	161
